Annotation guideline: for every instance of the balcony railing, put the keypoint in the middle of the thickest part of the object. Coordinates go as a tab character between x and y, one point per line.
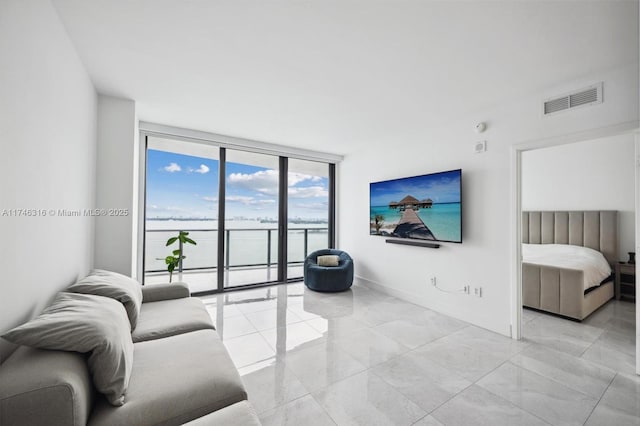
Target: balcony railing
244	248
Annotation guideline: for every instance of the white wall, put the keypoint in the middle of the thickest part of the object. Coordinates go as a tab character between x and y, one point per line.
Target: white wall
591	175
117	167
48	142
483	259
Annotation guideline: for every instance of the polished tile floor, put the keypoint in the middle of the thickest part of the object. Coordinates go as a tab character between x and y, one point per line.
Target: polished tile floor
202	280
364	358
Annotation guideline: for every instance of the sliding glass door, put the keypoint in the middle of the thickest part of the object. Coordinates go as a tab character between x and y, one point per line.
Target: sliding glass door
251	218
308	212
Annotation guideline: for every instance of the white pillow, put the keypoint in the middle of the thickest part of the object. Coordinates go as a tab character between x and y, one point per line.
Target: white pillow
328	260
89	324
124	289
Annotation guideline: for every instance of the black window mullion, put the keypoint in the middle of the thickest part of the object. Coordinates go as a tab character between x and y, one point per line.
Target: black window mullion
221	204
283	219
332	206
144	210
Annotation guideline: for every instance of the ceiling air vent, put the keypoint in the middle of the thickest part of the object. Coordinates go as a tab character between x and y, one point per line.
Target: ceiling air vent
589	96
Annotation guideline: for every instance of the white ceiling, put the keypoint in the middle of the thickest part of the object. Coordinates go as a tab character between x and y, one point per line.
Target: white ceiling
333	75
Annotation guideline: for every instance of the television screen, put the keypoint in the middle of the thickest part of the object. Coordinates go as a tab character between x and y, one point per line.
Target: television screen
426	207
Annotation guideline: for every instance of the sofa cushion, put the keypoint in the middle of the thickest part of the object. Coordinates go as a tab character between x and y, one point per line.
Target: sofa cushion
124	289
171	317
89	324
238	414
42	387
165	291
175	380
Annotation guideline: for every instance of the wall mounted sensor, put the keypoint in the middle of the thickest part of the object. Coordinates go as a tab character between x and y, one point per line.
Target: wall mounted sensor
481	127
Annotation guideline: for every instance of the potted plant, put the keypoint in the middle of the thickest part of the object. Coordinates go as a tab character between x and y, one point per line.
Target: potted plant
175	259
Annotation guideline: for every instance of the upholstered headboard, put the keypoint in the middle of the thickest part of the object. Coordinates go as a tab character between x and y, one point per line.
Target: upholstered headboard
596	229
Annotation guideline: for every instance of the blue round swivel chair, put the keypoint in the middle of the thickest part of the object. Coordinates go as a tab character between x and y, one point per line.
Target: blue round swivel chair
328	278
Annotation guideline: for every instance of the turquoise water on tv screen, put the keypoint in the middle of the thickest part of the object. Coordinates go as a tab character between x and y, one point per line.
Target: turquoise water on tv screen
442	219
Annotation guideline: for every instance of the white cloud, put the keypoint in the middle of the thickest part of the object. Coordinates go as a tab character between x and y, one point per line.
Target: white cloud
203	169
213	199
308	192
313	206
249	201
172	168
296	178
266	181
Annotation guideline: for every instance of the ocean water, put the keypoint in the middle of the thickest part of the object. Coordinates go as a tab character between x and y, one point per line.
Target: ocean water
248	242
442	219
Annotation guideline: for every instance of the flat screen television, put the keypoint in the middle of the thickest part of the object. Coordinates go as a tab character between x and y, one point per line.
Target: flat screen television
426	207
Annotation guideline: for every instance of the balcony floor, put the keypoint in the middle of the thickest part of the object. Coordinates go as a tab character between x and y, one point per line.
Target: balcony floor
207	279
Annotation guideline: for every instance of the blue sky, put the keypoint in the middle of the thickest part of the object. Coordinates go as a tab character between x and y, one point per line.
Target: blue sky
441	188
184	186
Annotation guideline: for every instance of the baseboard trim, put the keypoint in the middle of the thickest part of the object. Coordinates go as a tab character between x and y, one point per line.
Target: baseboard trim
420	300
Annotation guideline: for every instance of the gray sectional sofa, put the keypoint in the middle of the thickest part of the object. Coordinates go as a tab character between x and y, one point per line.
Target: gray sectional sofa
181	373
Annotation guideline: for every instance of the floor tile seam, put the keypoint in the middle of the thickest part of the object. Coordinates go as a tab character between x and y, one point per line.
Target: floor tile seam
602	365
237	337
332	383
437	339
600	399
457	375
276	327
555	381
559	382
592	343
450	398
543	343
240	335
503	398
422	418
370	371
260	414
322	406
485	352
310	344
341	347
517	406
275	352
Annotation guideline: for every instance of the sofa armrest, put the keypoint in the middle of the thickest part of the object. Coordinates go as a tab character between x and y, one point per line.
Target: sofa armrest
45	387
157	292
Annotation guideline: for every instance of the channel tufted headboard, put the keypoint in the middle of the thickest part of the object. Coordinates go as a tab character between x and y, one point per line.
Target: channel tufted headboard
596	229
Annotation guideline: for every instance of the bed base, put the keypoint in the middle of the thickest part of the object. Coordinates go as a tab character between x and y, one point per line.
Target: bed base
561	291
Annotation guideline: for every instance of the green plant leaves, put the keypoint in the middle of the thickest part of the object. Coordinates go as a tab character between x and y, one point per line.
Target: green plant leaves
174	261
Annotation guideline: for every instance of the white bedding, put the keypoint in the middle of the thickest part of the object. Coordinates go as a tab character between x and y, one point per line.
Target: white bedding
592	262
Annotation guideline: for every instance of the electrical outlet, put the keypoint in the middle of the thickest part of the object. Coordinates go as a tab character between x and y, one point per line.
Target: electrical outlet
433	281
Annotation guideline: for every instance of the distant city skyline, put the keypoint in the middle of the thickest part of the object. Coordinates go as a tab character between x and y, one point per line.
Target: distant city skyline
183	187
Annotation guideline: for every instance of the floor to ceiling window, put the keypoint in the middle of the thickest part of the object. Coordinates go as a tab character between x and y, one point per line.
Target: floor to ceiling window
182	182
253	216
308	212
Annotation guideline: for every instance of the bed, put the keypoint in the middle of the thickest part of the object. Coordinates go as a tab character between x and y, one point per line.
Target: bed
560	289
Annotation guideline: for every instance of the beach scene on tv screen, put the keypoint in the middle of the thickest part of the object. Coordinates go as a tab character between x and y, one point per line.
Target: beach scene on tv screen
422	207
